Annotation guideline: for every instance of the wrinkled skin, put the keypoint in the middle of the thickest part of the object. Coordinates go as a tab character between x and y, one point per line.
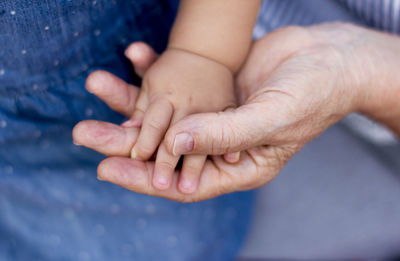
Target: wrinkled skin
295	83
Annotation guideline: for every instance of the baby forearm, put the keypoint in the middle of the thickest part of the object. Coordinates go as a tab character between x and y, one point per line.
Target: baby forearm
220	30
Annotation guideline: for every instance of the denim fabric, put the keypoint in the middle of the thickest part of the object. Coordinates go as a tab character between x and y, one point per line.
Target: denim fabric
52	207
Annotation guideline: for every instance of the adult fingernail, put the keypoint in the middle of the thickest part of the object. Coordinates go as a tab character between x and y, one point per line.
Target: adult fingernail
232	157
183	143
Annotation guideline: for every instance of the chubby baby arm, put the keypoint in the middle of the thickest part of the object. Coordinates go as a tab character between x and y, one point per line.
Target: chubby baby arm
208	43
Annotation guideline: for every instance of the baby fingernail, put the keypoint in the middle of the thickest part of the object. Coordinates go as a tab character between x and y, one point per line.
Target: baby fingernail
232	157
135	156
183	143
163	181
187	186
131	123
127	124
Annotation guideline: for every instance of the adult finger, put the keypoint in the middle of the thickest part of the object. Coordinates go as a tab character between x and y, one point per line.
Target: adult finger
137	176
217	177
116	93
218	133
232	157
106	138
142	56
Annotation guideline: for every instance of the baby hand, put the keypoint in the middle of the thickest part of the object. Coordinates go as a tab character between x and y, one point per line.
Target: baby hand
178	84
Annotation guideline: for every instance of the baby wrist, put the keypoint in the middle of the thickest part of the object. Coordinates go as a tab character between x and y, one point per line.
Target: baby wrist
203	56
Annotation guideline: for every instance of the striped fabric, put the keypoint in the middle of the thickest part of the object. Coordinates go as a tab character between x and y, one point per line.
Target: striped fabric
379	14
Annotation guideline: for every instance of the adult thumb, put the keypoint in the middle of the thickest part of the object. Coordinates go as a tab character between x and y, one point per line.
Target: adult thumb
216	133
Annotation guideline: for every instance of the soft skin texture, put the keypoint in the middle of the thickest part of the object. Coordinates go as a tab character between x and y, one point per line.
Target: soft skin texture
220	30
178	84
296	83
209	42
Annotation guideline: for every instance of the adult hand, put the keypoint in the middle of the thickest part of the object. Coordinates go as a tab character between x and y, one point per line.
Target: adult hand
295	83
218	177
115	141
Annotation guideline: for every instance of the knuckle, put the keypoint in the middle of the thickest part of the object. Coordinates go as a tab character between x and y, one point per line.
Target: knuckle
144	151
138	112
224	137
281	155
191	170
167	165
155	125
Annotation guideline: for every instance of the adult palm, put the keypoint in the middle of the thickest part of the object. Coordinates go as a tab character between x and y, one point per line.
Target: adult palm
291	88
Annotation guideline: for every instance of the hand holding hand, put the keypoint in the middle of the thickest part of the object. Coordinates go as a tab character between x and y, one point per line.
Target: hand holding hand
295	83
178	84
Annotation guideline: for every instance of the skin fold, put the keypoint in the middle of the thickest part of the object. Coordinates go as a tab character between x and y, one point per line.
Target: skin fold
295	83
209	42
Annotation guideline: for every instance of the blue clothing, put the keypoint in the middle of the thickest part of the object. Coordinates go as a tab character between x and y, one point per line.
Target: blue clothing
52	207
382	15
